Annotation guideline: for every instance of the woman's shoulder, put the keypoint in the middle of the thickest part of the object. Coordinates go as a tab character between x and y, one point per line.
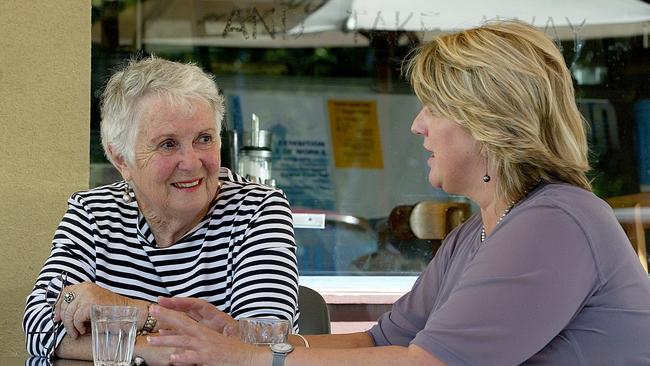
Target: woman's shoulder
110	194
234	185
238	200
556	212
115	189
577	202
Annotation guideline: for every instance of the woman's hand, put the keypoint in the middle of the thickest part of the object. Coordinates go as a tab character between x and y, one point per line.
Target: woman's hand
152	355
75	314
199	343
203	312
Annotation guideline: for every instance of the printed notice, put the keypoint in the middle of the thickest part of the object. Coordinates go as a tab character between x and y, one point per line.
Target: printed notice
302	154
302	169
355	134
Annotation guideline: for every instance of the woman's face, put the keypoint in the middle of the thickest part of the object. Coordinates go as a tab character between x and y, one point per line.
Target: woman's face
177	159
455	164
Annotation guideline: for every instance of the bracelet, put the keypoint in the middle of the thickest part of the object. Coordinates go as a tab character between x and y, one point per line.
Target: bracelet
149	323
303	339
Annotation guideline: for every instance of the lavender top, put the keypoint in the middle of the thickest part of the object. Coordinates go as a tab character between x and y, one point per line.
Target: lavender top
556	283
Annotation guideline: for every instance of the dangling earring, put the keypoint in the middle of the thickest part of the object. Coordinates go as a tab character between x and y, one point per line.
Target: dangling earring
486	177
126	197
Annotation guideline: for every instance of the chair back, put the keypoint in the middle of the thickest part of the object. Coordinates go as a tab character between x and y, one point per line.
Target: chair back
632	212
434	220
314	315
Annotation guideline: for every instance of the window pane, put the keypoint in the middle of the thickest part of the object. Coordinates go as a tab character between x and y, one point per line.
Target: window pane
339	112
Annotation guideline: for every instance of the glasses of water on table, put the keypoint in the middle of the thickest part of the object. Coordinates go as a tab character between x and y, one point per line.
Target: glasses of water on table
113	334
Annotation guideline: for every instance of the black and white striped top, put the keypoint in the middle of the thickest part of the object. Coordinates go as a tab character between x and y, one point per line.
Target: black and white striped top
241	257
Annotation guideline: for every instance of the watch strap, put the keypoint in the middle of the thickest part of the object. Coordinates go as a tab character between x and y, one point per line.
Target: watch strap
280	352
279	358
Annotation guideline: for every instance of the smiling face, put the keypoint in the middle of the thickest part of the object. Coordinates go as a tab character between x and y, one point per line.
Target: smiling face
456	162
175	174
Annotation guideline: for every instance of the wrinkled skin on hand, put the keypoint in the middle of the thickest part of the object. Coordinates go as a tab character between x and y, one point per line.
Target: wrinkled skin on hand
76	314
204	313
153	355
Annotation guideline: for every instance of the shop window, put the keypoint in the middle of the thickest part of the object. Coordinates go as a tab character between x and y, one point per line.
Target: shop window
339	114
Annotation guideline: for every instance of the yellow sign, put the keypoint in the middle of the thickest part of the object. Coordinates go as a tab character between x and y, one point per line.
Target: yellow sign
355	134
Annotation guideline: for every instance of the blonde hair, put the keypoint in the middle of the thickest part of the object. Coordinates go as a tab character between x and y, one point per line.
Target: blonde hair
506	83
121	105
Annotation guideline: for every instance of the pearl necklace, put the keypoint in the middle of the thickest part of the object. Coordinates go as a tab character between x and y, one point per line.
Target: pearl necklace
505	212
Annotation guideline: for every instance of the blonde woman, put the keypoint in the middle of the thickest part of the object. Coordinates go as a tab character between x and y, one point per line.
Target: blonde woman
542	275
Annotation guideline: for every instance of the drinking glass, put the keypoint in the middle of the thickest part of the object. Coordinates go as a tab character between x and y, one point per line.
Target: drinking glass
113	334
263	331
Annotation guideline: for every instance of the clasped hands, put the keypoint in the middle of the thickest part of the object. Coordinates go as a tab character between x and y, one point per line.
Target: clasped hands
199	332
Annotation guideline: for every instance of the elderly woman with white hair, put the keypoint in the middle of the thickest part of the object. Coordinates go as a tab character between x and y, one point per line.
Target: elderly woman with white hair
177	225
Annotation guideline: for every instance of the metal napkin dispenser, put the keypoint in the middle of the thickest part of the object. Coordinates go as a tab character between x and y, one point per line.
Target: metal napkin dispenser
255	154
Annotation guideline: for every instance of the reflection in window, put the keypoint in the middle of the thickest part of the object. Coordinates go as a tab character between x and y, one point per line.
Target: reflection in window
339	113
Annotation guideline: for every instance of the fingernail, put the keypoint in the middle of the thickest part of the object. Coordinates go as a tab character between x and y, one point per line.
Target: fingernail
148	339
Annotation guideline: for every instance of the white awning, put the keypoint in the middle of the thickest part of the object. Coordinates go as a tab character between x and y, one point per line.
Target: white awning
562	19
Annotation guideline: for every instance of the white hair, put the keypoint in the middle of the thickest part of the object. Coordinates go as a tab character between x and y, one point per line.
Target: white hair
121	106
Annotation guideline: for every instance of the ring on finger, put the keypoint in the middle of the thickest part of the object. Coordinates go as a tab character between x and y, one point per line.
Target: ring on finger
68	297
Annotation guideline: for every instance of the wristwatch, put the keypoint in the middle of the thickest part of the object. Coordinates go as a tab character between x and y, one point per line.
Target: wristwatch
280	352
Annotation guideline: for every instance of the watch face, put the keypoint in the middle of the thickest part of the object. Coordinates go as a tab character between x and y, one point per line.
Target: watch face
282	347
